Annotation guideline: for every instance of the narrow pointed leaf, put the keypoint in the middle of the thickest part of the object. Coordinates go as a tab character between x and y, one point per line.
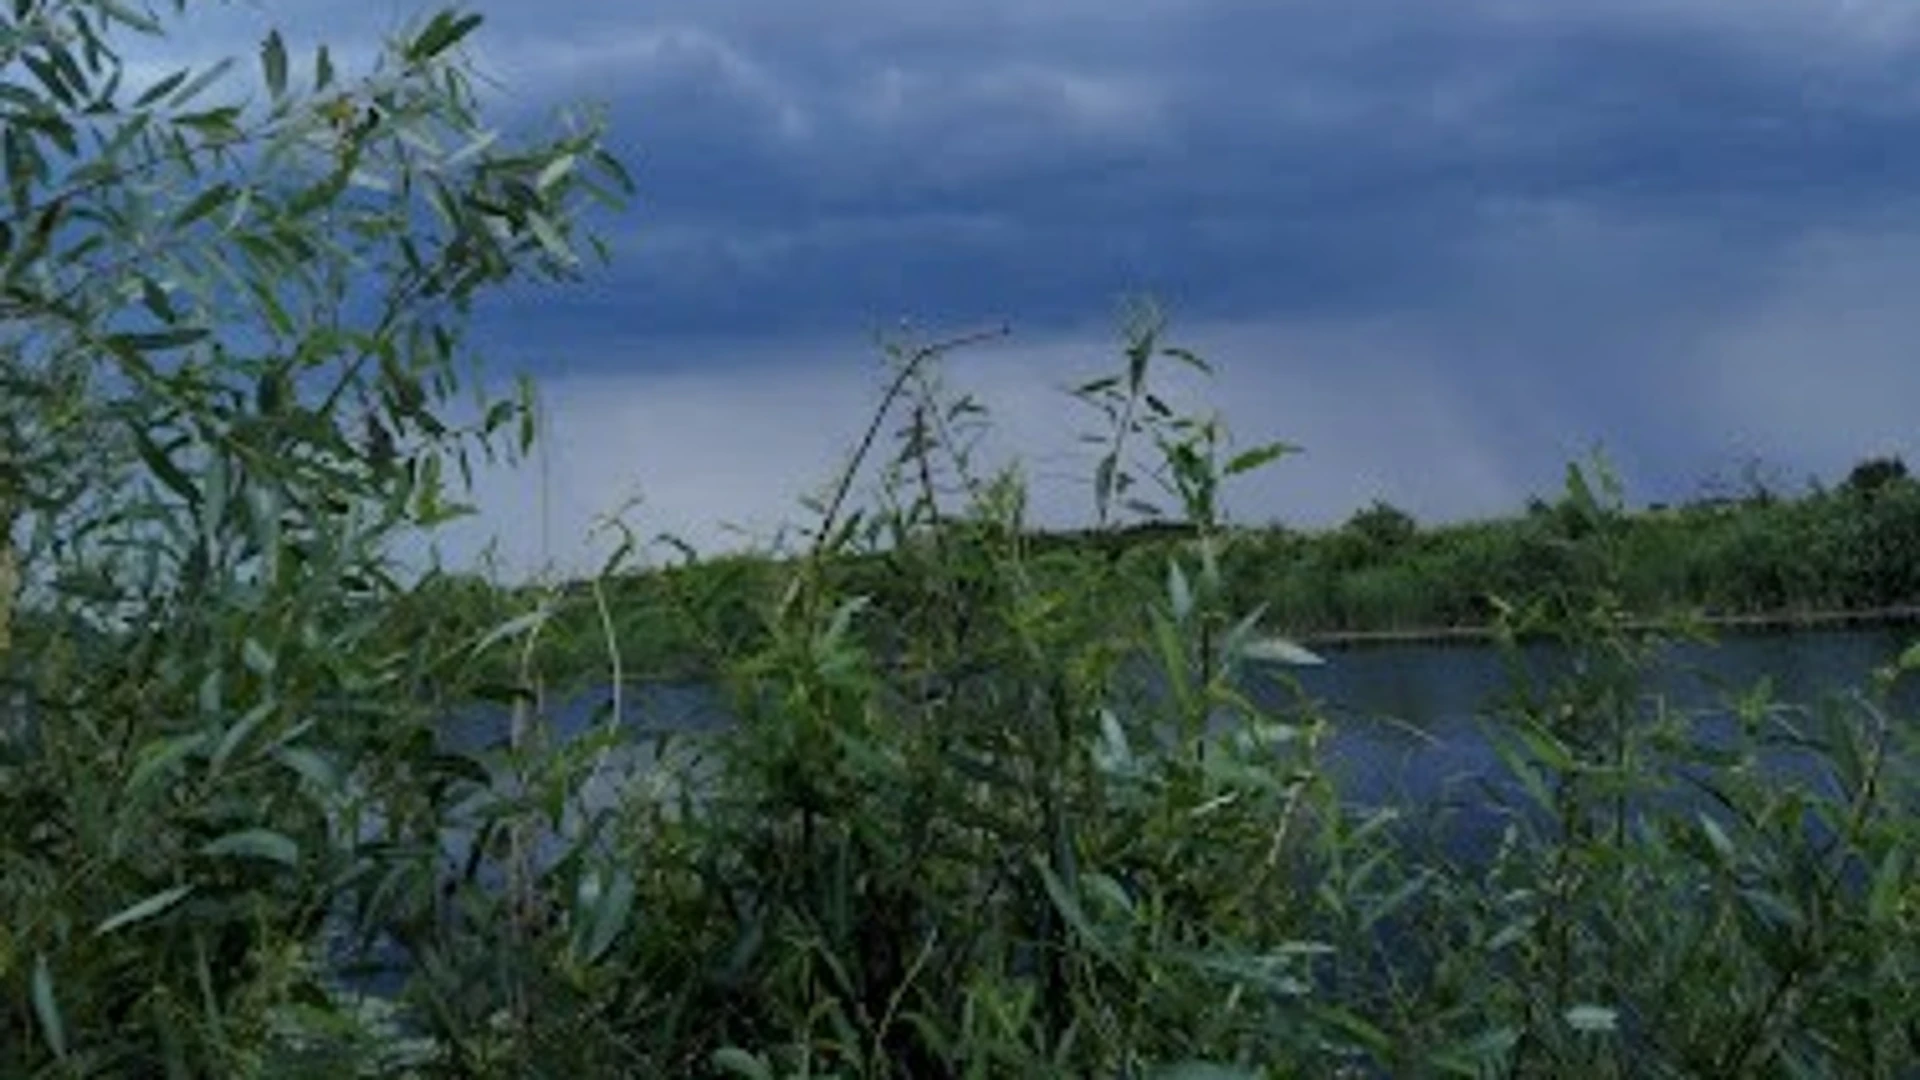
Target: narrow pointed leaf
1280	651
203	204
163	467
159	758
158	341
144	910
610	911
553	172
264	844
1592	1018
442	33
311	765
733	1061
550	239
46	1008
273	64
158	90
1258	456
200	82
1179	592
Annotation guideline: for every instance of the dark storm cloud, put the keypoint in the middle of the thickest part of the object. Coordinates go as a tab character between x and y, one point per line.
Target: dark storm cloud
843	162
862	163
1447	245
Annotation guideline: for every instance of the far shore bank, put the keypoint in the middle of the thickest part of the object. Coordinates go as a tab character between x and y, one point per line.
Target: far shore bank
1765	622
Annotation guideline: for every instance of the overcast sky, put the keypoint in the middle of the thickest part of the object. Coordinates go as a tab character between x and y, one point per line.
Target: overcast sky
1445	246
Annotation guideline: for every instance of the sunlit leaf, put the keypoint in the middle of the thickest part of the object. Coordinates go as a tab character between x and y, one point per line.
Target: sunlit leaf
1280	651
553	172
136	20
1592	1018
264	844
1179	592
1546	747
549	238
257	657
144	910
46	1008
512	628
1114	750
1717	839
607	915
1909	658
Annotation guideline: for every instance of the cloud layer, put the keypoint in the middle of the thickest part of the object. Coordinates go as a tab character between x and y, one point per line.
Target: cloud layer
1445	246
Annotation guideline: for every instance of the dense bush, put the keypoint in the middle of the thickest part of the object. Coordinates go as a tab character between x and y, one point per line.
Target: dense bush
233	385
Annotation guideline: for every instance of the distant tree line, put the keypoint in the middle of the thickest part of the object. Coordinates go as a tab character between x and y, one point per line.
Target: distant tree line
1856	546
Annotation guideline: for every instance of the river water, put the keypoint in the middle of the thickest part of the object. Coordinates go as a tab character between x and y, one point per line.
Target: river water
1407	720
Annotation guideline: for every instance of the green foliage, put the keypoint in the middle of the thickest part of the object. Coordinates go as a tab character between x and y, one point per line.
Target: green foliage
231	376
1782	558
1874	474
996	807
991	807
1382	530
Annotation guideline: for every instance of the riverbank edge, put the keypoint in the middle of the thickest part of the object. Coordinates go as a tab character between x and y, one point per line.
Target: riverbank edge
1756	623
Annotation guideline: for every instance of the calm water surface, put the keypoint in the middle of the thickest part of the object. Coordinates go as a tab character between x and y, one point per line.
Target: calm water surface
1407	719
